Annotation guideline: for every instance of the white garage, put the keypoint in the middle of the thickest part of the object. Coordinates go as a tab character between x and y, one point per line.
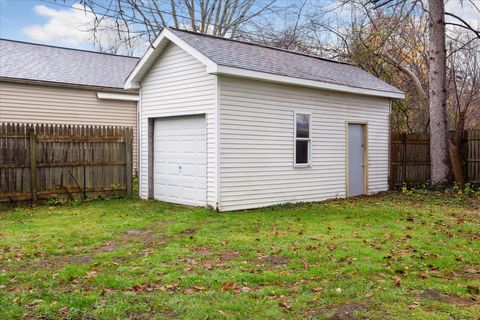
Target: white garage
234	125
180	160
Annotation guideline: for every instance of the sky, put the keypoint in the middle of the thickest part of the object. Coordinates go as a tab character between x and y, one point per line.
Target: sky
47	22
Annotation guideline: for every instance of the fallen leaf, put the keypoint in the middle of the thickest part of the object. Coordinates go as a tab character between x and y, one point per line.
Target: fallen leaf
137	287
285	305
396	281
228	285
199	288
64	310
92	273
208	266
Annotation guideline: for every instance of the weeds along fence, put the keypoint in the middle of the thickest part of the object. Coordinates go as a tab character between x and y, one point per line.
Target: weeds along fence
410	158
43	161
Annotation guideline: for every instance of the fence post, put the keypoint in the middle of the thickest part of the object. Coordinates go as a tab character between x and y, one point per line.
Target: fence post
128	160
404	157
33	164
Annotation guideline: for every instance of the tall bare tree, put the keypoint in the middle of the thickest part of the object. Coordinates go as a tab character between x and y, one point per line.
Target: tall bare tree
437	98
148	17
464	95
438	92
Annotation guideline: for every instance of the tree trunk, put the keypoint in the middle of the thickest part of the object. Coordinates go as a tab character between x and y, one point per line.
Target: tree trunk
454	149
438	94
456	165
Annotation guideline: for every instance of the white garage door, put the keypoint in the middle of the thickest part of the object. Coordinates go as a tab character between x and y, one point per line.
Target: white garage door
180	160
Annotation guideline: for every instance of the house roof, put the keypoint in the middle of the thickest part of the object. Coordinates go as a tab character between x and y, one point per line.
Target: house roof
244	59
35	62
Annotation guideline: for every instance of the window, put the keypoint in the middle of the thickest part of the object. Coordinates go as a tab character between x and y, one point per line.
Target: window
302	139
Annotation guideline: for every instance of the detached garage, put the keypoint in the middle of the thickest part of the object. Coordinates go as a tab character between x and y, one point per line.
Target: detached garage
234	125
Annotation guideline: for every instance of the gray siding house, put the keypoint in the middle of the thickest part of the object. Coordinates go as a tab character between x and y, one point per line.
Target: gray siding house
46	84
234	125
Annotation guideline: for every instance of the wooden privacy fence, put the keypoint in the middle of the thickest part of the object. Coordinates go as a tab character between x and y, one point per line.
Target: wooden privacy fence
410	157
40	162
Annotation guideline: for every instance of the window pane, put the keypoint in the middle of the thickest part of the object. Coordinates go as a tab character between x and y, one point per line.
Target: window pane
302	152
303	124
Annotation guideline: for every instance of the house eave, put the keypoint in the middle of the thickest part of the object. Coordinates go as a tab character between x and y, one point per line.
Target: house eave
67	85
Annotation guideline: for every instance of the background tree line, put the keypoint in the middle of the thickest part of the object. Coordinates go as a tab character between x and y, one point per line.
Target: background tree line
417	45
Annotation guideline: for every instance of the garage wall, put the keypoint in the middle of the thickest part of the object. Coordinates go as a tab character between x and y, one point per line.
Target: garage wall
176	85
29	103
257	143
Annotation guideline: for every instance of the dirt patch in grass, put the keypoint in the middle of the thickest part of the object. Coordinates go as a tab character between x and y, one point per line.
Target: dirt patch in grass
272	260
446	298
202	250
107	247
78	259
229	255
346	311
187	233
169	314
149	237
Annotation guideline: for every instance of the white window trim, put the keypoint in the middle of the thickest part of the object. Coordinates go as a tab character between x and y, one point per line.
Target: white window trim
309	163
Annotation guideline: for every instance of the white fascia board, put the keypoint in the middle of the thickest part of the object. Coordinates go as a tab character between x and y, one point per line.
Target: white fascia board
244	73
118	96
131	85
133	80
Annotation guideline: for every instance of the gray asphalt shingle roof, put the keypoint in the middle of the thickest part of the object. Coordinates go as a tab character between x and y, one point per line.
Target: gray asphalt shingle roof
30	61
260	58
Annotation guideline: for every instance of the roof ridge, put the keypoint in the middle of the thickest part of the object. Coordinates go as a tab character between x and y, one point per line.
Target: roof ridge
73	49
256	44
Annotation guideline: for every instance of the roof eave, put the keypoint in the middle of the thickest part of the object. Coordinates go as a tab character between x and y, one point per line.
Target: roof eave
250	74
67	85
142	67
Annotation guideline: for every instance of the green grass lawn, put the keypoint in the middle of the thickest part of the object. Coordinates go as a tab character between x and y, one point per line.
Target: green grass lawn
394	256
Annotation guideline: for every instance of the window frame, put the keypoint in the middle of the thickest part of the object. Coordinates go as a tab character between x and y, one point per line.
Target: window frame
309	140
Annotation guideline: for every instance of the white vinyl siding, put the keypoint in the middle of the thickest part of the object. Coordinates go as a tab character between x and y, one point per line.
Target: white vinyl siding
31	103
177	84
257	146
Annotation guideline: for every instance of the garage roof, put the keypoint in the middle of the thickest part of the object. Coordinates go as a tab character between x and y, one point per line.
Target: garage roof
261	58
245	59
29	61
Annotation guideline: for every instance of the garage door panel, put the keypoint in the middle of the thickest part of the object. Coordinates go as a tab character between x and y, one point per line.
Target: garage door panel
193	171
180	160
